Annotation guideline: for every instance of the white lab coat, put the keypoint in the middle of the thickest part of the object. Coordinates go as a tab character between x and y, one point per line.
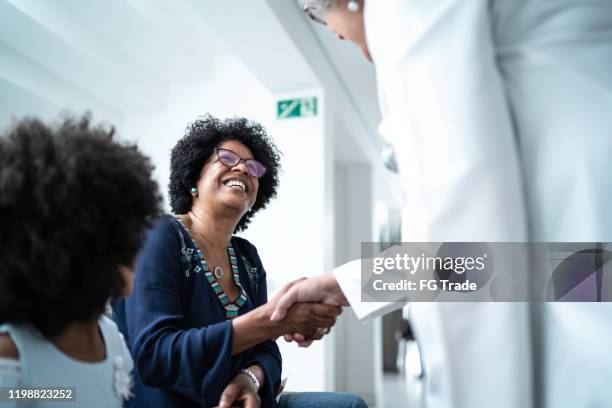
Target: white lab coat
501	116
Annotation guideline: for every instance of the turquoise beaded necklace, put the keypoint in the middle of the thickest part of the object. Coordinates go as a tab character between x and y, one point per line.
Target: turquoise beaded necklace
231	307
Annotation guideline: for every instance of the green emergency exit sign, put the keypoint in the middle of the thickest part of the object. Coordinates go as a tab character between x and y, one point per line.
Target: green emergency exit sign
297	108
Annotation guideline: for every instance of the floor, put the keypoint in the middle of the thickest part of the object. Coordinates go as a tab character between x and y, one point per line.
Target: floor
404	390
401	391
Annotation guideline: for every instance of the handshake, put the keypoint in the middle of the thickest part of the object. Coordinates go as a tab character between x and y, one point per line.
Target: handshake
305	310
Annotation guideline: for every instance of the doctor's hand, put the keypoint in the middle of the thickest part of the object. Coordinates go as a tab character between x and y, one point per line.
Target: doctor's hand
322	289
303	341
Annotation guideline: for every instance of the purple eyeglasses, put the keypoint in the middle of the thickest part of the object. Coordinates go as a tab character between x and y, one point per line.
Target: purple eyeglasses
231	159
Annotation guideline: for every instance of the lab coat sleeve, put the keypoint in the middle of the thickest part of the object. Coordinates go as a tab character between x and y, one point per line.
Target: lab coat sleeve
348	277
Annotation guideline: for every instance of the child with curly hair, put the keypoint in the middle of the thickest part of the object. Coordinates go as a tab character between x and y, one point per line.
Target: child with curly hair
74	207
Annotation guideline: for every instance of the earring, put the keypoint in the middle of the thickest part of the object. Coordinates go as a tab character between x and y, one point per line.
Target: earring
353	6
194	191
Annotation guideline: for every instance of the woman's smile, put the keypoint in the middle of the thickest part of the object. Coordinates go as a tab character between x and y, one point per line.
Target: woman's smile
236	184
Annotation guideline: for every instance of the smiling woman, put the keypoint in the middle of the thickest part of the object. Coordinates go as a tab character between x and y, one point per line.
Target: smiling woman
198	324
203	137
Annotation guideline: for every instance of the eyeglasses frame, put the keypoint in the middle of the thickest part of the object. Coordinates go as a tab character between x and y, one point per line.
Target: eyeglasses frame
240	160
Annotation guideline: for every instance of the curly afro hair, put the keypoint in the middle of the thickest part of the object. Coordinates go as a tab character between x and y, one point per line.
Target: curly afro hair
197	146
74	206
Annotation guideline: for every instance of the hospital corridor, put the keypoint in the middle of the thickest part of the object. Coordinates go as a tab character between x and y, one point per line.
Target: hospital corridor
159	158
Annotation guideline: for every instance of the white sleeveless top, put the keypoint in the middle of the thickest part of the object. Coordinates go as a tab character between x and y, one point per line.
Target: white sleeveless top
103	384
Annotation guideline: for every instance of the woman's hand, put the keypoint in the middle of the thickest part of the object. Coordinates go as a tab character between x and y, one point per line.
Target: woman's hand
240	392
310	320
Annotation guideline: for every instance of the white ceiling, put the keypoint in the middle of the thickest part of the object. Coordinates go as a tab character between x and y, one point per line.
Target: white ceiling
118	53
121	55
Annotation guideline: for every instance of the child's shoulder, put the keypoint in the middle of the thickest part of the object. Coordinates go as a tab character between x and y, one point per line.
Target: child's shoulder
115	342
110	329
108	324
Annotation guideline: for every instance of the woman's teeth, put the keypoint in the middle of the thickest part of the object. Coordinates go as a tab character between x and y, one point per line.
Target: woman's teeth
236	183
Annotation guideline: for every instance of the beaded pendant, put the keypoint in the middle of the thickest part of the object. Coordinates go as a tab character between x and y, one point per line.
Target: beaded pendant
231	307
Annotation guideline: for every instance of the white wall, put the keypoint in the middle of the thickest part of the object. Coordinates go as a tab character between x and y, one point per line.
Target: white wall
233	92
358	347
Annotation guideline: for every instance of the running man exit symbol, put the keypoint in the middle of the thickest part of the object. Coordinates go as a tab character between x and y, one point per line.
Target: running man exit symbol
297	108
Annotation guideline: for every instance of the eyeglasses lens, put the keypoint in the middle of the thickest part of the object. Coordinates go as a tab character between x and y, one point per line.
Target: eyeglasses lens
228	158
255	168
231	159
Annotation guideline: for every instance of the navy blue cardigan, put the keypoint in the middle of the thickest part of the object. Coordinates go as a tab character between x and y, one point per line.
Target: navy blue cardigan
176	330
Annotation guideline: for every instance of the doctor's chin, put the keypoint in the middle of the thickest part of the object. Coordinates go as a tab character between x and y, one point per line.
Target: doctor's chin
305	203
